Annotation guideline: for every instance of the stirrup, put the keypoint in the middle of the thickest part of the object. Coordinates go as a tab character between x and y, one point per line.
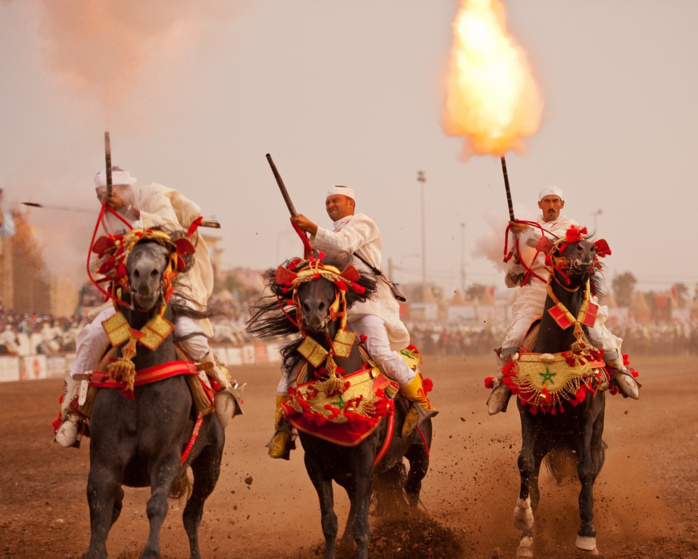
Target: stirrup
415	416
498	400
280	445
628	387
67	434
225	407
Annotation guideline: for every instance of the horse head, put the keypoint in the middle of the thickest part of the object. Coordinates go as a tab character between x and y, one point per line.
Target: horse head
145	267
142	264
322	293
315	300
573	259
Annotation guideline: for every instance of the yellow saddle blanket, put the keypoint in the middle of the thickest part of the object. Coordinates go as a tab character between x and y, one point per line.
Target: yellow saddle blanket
545	380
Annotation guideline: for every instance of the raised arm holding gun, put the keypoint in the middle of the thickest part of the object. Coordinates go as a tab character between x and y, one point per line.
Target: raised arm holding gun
356	239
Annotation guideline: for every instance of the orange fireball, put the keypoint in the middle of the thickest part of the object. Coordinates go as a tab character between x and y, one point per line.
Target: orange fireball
492	97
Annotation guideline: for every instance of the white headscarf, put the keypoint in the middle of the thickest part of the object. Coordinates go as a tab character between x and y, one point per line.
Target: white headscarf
343	190
550	191
117	177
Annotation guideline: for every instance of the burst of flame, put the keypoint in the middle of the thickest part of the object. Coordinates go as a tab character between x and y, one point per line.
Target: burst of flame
492	97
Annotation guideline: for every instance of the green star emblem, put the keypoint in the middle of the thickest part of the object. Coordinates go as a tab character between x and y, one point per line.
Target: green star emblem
339	403
547	376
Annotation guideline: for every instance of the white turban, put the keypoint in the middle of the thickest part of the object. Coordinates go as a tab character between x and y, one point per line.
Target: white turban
117	177
343	190
550	191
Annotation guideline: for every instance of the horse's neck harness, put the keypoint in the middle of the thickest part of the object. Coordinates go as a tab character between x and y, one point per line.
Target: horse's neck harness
341	344
564	318
115	250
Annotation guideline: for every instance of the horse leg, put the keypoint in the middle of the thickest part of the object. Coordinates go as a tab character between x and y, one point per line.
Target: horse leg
362	497
418	458
118	504
590	461
323	486
206	468
523	512
104	497
156	508
348	485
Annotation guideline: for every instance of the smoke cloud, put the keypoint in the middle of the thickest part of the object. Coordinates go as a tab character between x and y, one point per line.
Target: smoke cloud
104	49
112	60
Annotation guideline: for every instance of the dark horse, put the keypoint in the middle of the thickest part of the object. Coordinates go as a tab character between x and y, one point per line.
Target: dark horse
352	467
139	441
571	431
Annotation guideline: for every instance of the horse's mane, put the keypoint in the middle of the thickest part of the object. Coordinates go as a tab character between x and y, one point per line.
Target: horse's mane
274	315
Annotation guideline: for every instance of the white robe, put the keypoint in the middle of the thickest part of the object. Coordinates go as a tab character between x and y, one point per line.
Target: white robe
159	206
530	300
162	206
359	233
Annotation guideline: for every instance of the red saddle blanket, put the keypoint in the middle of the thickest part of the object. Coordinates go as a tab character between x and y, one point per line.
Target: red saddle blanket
344	410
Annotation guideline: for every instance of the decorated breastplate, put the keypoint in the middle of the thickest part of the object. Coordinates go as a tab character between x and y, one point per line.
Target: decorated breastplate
544	381
347	412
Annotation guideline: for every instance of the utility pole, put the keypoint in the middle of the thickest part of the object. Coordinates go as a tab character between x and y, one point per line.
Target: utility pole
422	179
462	258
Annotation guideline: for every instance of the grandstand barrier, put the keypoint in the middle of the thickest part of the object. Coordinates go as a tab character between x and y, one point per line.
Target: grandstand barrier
37	367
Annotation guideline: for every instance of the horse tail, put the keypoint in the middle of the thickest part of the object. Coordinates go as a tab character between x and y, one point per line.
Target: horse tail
561	462
181	486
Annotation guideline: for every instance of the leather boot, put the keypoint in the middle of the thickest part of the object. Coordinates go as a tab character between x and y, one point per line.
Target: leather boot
414	391
624	379
280	445
228	400
71	424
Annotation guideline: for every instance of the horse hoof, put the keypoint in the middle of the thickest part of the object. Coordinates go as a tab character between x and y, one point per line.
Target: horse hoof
525	548
587	544
523	514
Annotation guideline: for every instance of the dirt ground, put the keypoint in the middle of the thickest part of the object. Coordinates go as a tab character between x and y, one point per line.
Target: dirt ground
646	498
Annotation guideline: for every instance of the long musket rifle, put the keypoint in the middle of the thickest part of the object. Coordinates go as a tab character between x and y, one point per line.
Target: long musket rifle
107	160
307	249
508	190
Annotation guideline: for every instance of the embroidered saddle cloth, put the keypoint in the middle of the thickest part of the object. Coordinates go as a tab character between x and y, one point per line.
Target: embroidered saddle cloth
544	381
345	409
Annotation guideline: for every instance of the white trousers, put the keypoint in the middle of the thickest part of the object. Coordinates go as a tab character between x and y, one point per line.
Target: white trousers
92	341
378	346
529	307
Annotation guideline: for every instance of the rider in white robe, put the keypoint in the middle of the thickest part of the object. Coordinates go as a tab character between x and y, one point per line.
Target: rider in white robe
150	206
378	319
530	299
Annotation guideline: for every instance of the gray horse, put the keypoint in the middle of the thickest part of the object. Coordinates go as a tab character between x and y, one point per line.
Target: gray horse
139	441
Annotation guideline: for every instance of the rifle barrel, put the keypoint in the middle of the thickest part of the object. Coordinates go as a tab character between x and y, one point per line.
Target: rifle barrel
107	158
282	187
506	186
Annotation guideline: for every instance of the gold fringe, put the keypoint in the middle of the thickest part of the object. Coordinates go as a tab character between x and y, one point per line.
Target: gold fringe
201	401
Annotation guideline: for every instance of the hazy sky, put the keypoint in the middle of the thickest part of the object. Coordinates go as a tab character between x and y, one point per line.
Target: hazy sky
195	94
